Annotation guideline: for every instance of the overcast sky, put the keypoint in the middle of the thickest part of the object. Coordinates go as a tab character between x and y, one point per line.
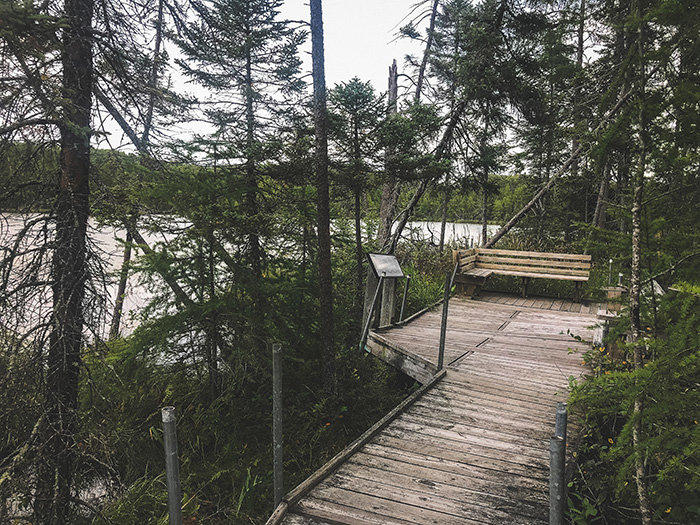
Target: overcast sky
360	37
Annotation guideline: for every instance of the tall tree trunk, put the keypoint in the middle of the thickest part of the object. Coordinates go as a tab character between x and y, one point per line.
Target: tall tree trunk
69	272
359	255
443	223
115	325
426	51
391	187
484	217
601	207
323	197
252	212
579	81
635	278
359	260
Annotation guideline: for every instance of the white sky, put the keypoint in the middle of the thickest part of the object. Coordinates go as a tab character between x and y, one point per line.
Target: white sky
359	37
359	41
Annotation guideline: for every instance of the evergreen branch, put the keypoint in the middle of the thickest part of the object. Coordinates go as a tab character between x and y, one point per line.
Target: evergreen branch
579	151
671	268
27	123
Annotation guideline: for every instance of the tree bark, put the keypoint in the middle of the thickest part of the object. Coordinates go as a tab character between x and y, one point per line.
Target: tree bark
69	272
391	187
601	207
322	196
635	278
359	260
115	325
443	223
426	52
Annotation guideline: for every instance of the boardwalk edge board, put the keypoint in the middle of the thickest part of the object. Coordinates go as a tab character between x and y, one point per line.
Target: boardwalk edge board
409	363
312	481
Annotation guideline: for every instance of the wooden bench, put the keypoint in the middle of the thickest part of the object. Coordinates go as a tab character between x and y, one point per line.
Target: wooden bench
475	266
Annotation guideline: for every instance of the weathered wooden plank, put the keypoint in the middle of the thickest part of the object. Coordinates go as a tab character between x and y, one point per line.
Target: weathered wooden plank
539	273
336	513
530	449
295	495
441	450
471	474
345	505
440	496
533	261
495	421
513	389
517	494
566	256
296	519
409	363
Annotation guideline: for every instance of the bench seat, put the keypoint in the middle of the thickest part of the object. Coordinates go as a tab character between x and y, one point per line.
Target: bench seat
475	266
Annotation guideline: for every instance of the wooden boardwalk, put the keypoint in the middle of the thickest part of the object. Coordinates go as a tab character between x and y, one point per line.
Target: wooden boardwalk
473	445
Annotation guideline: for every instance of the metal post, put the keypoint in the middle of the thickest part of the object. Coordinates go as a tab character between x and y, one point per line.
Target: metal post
443	326
172	468
277	436
610	273
388	302
560	426
365	332
557	499
405	293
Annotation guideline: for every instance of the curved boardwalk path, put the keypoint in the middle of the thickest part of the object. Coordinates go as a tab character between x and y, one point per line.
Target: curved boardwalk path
473	445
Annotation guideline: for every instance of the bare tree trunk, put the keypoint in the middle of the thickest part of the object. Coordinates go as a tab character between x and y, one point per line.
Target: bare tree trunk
441	151
426	52
359	259
69	272
484	218
323	197
579	64
391	187
115	325
601	207
443	224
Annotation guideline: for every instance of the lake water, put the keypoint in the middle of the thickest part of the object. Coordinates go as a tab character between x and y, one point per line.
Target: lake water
106	243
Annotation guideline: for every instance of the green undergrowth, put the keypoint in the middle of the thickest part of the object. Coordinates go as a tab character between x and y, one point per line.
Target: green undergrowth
225	442
603	489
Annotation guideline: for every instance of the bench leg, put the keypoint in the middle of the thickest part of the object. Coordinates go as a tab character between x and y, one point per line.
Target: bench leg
468	285
472	289
577	291
525	283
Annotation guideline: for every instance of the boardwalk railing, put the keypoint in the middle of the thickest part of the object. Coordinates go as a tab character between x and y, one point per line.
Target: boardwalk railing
449	280
557	468
305	487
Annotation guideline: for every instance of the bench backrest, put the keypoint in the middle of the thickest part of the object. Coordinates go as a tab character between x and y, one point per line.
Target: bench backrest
530	262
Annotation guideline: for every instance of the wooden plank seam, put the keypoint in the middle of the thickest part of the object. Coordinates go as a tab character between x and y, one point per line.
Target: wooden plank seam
312	481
